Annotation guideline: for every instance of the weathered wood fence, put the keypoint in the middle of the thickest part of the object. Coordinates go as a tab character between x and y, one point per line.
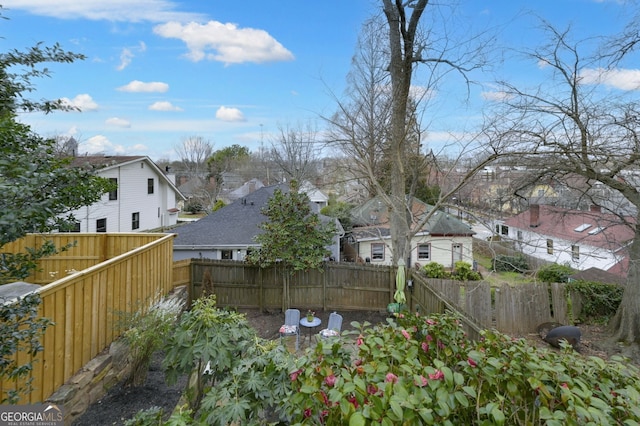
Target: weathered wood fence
346	286
349	286
124	272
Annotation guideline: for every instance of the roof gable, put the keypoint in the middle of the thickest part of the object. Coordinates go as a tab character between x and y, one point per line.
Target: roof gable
372	218
100	163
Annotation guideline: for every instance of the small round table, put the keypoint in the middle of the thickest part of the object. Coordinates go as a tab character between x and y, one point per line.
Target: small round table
310	325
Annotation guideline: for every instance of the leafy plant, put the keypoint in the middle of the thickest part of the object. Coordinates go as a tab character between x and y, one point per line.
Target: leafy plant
599	301
246	375
504	263
423	370
149	417
145	332
20	330
294	237
554	273
464	272
435	270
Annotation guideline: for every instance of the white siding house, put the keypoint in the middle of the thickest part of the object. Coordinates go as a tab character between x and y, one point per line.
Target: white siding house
146	197
580	239
443	239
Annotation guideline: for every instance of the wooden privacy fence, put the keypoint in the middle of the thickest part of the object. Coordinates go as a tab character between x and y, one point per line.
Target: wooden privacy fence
85	305
345	286
89	250
349	286
512	310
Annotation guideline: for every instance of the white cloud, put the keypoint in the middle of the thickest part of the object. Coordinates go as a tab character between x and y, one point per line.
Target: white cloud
118	122
137	86
164	106
127	55
83	102
229	114
100	144
624	79
496	96
227	42
112	10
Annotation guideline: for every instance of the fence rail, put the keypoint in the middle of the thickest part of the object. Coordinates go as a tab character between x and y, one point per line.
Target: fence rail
84	306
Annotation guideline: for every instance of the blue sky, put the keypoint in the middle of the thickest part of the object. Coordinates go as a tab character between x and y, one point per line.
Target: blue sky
159	71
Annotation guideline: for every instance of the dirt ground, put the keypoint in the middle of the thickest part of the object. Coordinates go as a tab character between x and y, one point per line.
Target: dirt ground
121	403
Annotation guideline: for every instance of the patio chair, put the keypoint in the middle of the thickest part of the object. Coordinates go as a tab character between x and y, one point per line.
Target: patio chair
291	326
333	327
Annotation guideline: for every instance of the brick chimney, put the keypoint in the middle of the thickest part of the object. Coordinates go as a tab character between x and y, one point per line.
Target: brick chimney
534	215
595	209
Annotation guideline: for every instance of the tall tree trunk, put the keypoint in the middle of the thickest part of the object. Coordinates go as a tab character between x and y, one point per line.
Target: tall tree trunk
625	325
401	39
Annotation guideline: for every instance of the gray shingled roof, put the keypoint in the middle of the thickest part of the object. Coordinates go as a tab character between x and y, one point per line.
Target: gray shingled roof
371	220
233	225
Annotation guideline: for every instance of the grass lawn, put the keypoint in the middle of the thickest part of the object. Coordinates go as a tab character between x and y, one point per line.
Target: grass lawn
496	279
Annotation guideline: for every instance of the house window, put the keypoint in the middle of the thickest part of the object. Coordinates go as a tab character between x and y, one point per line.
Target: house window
519	236
377	252
424	251
575	252
101	225
150	186
135	220
226	254
549	246
505	230
113	195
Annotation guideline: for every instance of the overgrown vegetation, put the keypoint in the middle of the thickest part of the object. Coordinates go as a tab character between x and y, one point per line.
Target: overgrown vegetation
599	301
555	273
20	331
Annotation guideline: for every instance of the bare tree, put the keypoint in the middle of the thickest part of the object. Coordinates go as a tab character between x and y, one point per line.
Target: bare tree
380	125
570	127
193	152
296	151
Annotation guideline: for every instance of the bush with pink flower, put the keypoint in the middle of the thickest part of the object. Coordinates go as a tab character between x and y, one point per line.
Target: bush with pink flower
423	370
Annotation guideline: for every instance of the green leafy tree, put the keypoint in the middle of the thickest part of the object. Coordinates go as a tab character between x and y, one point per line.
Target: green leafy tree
224	160
294	237
39	191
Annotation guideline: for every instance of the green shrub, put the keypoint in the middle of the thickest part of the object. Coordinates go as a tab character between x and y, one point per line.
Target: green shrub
554	273
218	205
423	370
435	270
464	272
247	375
599	301
503	263
193	206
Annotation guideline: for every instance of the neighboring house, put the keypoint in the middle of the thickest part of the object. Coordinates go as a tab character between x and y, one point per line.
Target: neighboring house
229	233
244	190
146	197
581	239
316	196
443	239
